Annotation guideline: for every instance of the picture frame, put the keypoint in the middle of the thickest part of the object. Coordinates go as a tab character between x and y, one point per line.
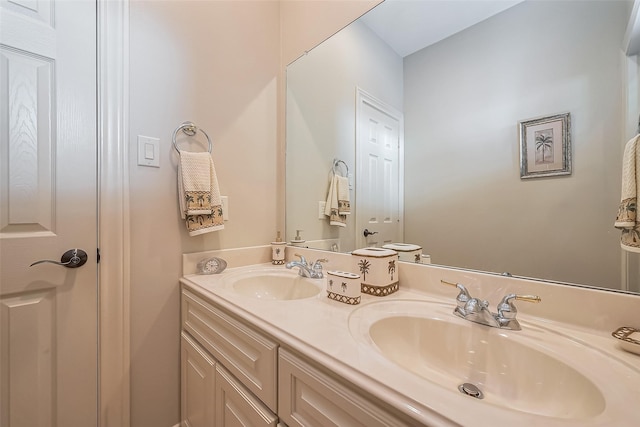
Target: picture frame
545	146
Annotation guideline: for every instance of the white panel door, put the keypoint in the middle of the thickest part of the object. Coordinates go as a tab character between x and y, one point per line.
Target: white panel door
379	176
48	313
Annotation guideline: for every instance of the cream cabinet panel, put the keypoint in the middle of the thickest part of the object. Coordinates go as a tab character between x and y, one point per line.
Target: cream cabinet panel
197	395
310	398
247	354
236	406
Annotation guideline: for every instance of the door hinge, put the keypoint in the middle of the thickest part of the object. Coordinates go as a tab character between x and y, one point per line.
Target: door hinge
97	255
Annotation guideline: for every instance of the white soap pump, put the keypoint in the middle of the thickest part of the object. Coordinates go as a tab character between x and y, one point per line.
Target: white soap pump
277	251
298	240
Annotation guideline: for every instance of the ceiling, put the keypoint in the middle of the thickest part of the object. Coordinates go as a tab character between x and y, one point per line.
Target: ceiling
410	25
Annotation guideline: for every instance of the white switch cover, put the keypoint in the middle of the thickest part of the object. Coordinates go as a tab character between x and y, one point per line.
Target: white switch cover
148	151
225	207
321	206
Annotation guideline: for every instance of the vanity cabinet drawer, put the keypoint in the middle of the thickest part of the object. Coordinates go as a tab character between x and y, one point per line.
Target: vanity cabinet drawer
247	354
308	397
197	377
235	406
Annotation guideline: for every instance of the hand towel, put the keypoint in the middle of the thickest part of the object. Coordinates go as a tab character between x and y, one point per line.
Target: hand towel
344	204
199	194
627	218
331	208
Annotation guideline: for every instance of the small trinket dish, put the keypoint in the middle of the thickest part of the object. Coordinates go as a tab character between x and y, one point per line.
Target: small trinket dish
629	338
213	265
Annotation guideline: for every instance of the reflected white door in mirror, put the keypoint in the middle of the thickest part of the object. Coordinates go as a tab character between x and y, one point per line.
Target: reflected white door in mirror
379	155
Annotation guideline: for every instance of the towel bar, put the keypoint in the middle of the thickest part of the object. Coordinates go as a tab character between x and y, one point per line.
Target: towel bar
189	128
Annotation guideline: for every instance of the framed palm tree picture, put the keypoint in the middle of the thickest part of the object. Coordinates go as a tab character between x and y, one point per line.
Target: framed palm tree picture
545	146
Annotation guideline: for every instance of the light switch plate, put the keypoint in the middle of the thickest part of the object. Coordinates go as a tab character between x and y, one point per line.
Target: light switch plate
225	207
148	151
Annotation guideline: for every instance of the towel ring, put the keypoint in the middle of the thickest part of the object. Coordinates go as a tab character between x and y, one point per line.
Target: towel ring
189	128
336	162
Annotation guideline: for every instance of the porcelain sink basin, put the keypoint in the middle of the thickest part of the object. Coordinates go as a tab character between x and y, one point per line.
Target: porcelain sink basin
273	284
533	371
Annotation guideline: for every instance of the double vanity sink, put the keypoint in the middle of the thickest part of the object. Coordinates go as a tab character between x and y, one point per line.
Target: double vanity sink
410	351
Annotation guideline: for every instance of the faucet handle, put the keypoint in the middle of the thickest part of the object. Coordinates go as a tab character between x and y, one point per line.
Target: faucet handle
317	267
463	297
303	260
506	308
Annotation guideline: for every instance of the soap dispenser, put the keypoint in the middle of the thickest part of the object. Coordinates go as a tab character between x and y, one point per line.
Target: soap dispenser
298	240
277	251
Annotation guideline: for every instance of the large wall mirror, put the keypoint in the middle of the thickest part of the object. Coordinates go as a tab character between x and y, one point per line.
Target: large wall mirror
459	100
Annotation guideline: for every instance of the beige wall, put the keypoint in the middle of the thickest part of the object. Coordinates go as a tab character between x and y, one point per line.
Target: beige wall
215	63
464	97
218	64
306	23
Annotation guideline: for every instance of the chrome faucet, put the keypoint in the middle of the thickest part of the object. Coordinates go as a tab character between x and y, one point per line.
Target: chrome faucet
313	271
477	310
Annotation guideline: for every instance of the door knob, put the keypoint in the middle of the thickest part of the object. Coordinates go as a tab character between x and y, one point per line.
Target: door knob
368	233
73	258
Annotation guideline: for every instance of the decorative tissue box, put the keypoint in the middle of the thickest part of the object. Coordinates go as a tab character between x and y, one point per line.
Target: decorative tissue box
378	270
406	251
343	287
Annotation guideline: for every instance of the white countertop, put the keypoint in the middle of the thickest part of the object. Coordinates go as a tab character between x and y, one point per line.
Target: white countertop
318	328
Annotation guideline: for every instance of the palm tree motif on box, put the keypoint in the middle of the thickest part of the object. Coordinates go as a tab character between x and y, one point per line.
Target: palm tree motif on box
364	268
416	258
331	283
343	287
544	146
392	268
277	251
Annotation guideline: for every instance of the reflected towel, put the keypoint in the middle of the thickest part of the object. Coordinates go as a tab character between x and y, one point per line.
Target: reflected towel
627	218
331	208
199	194
344	204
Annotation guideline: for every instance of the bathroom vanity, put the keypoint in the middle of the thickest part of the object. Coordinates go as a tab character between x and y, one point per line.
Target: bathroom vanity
235	372
263	346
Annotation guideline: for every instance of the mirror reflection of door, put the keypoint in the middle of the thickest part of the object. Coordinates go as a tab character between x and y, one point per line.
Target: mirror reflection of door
48	313
379	148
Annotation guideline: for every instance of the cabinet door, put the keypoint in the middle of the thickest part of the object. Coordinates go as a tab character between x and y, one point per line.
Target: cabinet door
310	398
197	392
247	353
236	406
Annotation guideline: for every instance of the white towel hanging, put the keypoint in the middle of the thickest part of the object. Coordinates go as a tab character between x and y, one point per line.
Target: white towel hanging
199	193
627	219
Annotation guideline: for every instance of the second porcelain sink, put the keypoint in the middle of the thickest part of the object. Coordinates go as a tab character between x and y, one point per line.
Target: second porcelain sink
534	371
272	284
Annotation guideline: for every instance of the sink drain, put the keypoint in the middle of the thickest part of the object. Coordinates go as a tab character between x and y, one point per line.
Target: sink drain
470	390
